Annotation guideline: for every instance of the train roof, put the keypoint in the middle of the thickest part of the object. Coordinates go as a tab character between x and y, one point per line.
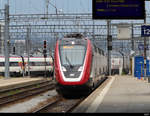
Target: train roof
74	35
73	39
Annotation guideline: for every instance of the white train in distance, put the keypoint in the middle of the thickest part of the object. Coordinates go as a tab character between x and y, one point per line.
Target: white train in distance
19	65
120	64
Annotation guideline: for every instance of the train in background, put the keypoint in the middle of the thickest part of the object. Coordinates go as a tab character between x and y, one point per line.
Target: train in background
19	65
120	65
15	65
79	65
38	65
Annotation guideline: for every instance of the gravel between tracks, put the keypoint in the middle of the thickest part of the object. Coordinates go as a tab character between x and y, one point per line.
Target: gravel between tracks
29	104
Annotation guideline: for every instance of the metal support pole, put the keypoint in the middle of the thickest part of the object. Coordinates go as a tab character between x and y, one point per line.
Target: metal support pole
23	66
132	45
132	37
28	48
109	51
6	41
1	39
123	63
45	67
93	30
45	55
145	54
47	2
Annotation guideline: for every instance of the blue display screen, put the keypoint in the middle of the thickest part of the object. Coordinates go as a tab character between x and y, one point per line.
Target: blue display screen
118	9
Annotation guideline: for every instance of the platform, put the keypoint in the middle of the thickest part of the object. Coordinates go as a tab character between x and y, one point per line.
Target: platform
6	83
122	94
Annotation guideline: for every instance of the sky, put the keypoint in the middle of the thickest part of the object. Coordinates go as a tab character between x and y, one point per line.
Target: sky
38	6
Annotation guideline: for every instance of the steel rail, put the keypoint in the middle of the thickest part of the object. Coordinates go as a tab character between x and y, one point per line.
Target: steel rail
24	94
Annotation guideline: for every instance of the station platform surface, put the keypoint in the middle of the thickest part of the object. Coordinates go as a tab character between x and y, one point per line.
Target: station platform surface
10	82
122	94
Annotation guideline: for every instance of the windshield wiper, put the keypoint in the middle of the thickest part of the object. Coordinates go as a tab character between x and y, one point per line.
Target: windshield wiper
71	66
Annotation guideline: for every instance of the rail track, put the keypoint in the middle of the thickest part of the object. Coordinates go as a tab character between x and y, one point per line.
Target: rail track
15	94
59	104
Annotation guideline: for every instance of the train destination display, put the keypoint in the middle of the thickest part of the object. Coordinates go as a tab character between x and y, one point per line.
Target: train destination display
118	9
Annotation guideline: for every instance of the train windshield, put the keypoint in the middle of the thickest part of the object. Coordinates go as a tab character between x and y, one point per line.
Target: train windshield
72	55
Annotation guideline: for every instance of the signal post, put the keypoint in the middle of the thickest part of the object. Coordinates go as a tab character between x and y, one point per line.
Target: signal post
45	55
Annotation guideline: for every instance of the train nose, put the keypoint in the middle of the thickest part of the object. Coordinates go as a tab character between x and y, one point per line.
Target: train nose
72	72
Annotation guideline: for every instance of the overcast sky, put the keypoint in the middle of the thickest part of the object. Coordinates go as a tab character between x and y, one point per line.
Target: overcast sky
38	6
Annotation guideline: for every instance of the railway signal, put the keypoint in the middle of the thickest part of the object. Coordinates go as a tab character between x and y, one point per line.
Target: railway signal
45	51
14	50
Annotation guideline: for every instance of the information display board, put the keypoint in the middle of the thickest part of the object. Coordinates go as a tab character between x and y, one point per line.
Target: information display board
118	9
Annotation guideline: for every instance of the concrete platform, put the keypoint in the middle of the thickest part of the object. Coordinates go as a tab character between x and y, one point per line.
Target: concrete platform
122	94
13	82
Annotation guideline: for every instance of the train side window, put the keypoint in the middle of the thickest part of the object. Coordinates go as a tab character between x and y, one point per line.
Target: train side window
39	63
47	63
2	64
14	64
32	64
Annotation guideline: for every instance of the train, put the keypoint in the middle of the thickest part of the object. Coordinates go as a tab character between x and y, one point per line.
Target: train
38	65
15	65
116	64
18	65
120	65
79	65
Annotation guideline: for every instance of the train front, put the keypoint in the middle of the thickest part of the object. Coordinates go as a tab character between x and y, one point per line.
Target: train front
72	65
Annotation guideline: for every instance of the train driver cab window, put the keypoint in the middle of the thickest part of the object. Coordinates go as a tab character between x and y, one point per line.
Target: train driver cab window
72	55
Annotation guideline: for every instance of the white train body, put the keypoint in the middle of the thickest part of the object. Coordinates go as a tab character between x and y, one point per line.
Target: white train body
37	65
116	63
14	63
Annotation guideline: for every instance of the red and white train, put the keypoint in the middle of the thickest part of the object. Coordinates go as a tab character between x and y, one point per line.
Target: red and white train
79	65
19	65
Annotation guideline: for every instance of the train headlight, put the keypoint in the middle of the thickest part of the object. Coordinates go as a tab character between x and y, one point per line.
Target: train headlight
81	68
63	69
73	42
